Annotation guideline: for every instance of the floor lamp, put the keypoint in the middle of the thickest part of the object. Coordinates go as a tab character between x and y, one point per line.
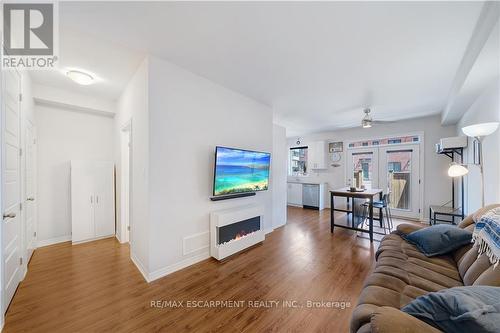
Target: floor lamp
478	132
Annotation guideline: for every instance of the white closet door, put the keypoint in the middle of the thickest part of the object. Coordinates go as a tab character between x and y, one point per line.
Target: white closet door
104	207
11	184
82	201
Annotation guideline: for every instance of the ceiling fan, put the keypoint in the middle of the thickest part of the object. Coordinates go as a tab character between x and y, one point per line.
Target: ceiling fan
367	120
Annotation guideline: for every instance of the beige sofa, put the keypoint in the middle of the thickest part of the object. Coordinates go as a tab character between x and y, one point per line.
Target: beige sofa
403	273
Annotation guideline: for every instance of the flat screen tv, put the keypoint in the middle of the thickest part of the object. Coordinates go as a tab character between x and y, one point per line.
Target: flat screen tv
240	171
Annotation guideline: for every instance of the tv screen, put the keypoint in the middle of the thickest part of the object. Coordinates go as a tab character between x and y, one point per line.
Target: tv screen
240	171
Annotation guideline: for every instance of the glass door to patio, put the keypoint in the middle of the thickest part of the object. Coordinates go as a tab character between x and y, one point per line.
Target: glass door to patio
393	168
400	174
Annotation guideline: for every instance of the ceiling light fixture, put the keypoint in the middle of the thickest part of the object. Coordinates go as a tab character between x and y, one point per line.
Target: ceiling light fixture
80	77
366	122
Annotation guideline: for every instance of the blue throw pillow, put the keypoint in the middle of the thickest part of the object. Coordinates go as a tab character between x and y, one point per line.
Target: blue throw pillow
439	239
459	309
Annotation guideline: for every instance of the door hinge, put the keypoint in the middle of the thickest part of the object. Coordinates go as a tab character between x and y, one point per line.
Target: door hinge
21	261
20	206
20	152
419	210
34	234
420	181
128	228
20	97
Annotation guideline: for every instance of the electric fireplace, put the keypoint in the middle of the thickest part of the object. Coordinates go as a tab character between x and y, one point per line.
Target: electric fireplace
236	229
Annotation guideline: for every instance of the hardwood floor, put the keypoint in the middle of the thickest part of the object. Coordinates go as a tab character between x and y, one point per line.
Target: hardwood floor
94	287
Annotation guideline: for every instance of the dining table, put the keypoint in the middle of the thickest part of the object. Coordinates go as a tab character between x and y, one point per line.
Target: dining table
368	194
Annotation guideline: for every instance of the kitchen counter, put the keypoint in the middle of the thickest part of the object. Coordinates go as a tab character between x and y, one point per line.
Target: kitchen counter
306	194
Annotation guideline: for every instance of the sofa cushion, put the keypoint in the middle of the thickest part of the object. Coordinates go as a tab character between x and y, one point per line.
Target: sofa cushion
461	309
439	239
385	319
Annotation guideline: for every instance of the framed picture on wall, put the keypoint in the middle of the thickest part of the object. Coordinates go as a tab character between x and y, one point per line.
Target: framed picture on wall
336	147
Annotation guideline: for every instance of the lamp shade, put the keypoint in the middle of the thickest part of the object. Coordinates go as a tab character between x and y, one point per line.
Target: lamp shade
479	130
457	170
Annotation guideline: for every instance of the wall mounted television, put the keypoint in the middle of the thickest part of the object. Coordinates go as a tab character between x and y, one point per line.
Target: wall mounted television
239	171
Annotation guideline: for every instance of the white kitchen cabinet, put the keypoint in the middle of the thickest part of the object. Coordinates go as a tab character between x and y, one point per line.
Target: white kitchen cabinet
92	200
294	194
317	155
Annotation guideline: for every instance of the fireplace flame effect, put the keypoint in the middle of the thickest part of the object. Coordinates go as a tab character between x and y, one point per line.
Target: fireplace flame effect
238	236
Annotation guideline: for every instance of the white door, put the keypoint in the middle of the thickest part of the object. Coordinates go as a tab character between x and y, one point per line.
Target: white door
82	201
362	166
104	205
125	184
11	185
30	203
400	175
394	169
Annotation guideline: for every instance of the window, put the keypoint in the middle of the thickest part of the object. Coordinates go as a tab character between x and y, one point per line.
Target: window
365	166
394	166
385	141
298	161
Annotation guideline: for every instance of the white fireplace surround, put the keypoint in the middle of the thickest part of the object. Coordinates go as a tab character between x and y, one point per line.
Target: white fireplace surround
229	216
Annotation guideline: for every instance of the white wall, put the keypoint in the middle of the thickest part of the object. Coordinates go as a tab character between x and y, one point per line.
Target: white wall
55	96
486	108
279	175
437	184
189	116
133	106
62	136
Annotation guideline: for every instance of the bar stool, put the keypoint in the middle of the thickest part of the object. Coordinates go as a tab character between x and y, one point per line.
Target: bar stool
382	204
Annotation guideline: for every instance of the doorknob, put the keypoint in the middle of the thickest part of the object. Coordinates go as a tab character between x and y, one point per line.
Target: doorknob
30	199
9	216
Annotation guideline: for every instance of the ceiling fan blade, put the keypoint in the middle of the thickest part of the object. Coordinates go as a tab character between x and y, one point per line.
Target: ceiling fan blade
383	121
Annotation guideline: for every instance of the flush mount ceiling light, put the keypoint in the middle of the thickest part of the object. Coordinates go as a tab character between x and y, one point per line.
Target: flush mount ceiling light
80	77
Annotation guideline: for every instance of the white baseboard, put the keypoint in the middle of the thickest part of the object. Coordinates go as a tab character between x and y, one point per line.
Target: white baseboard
278	226
118	238
159	273
92	239
52	241
139	266
268	231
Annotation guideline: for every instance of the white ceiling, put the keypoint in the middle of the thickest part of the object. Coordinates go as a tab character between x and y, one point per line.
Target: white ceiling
317	64
483	74
111	64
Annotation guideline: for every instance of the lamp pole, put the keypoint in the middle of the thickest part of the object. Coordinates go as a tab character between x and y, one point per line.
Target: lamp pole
480	147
